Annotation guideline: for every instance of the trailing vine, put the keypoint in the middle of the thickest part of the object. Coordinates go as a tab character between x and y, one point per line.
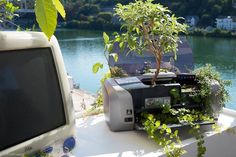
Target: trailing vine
163	135
156	125
205	76
158	130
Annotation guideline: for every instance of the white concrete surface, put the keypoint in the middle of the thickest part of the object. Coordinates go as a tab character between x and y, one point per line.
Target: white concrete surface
82	101
96	140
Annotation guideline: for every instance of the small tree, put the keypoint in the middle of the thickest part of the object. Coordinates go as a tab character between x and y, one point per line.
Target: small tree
147	27
9	10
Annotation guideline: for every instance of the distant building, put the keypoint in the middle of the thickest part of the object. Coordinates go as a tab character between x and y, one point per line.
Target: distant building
226	23
234	3
192	20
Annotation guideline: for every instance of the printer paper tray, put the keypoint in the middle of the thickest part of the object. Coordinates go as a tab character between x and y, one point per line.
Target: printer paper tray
139	126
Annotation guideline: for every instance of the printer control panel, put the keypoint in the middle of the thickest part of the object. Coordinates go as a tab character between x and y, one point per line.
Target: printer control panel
127	80
186	78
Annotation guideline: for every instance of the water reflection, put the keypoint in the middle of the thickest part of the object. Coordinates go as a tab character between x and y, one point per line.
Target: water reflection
221	54
81	49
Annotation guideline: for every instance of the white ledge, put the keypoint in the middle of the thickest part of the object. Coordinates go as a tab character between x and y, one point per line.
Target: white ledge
96	140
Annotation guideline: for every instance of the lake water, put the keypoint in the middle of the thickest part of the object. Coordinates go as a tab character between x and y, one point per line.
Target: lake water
81	49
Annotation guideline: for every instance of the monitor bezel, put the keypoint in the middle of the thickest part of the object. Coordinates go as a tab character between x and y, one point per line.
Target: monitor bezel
39	40
57	82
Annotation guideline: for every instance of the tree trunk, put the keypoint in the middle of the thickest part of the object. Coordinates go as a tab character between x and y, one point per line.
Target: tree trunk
158	67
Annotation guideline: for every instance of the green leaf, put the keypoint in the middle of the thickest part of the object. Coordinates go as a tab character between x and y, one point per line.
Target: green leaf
150	117
121	44
168	130
105	38
106	76
59	8
115	56
164	126
175	56
109	47
176	132
158	123
46	16
97	66
137	30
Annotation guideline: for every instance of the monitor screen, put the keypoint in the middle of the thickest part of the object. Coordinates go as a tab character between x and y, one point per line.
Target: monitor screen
30	97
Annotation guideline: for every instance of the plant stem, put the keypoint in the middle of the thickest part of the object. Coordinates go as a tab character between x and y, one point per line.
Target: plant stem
158	67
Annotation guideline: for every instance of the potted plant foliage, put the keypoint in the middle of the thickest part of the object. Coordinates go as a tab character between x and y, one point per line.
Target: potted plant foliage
147	27
152	28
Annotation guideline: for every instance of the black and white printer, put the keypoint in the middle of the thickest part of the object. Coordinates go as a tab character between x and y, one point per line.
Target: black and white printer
126	98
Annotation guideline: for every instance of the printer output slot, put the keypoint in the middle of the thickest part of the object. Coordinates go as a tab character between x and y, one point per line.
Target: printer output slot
148	81
140	127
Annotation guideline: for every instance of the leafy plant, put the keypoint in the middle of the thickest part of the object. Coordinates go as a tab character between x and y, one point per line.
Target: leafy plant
46	15
157	128
9	9
206	75
45	11
147	27
153	123
163	135
113	72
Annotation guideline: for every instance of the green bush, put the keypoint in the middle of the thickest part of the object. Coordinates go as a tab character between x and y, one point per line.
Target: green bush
107	2
107	16
82	17
220	33
97	24
112	2
92	23
206	20
89	9
72	10
91	19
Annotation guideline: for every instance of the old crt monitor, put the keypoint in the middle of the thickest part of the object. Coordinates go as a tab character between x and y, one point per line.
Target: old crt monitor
36	110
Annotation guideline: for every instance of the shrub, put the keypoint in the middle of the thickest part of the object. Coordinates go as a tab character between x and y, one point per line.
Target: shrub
107	16
82	17
72	9
107	2
89	9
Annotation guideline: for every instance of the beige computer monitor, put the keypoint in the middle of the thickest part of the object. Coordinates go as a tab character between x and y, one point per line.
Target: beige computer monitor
14	45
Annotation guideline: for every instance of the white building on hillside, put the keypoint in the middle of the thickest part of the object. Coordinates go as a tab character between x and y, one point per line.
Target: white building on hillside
234	3
191	20
227	23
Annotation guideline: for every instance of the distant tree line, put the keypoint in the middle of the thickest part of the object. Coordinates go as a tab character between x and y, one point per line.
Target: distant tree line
89	15
207	10
97	14
212	33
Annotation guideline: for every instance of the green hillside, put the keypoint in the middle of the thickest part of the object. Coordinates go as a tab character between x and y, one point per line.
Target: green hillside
207	10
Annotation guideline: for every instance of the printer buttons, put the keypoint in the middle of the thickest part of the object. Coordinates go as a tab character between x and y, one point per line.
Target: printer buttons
128	119
129	112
